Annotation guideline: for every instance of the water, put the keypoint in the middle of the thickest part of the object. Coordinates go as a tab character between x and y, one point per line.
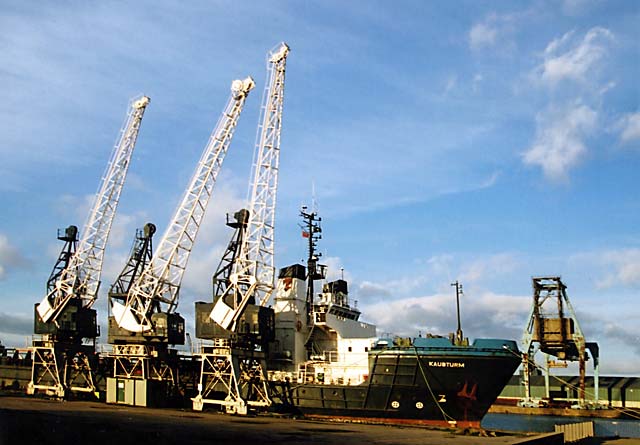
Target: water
545	424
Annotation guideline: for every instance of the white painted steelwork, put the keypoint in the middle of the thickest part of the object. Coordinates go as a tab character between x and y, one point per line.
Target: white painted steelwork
253	273
157	288
81	278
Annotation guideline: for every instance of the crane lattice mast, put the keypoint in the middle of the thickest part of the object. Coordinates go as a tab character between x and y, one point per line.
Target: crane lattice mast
158	286
253	271
81	278
141	254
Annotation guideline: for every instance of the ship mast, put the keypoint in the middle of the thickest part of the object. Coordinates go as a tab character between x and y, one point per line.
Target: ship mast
313	232
459	338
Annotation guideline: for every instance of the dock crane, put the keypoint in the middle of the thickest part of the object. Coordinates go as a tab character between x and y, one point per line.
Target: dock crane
141	254
553	329
144	321
62	359
232	371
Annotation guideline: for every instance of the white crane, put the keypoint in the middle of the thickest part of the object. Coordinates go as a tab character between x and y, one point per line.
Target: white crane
252	276
234	366
157	288
81	278
62	361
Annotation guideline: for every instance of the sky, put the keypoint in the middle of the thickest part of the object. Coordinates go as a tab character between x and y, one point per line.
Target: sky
480	141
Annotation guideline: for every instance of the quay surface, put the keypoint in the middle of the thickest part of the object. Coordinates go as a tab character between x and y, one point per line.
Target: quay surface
33	420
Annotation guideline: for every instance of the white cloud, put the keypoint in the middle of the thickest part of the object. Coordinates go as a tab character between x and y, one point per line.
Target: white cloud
441	265
566	59
75	207
484	314
560	140
482	35
498	30
488	266
606	88
562	130
335	268
212	240
617	269
10	257
197	277
623	266
629	126
370	290
124	227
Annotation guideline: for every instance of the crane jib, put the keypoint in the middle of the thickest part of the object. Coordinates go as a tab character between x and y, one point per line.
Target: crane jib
80	279
156	289
253	270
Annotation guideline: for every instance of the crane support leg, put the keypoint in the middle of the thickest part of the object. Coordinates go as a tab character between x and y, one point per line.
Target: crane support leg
59	369
233	379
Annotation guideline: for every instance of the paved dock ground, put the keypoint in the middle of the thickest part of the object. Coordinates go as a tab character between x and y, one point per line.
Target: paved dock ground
31	420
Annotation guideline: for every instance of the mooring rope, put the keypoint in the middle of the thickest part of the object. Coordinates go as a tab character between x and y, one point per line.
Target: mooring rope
445	416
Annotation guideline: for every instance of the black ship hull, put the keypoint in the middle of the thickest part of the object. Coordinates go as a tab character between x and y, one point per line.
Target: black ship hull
416	386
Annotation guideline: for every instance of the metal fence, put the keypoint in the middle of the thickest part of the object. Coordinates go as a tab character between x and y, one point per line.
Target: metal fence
574	432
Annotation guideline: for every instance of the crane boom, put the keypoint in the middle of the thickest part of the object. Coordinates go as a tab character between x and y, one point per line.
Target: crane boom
253	271
158	286
81	278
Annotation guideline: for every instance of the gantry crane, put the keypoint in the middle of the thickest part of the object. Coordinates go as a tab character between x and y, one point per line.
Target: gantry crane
62	359
144	321
238	321
553	329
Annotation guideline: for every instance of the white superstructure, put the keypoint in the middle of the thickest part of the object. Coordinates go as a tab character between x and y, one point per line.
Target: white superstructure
330	346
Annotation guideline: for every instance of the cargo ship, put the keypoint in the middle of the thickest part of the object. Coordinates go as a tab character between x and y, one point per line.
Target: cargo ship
333	365
325	362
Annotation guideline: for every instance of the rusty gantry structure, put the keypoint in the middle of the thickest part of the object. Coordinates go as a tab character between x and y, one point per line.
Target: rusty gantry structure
553	329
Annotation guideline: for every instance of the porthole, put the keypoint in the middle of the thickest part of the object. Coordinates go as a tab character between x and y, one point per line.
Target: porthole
395	404
419	405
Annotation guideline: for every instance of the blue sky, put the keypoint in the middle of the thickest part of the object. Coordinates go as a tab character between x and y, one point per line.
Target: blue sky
486	142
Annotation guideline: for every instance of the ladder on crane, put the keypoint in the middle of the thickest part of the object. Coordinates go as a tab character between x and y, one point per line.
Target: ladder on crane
143	320
232	373
62	361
